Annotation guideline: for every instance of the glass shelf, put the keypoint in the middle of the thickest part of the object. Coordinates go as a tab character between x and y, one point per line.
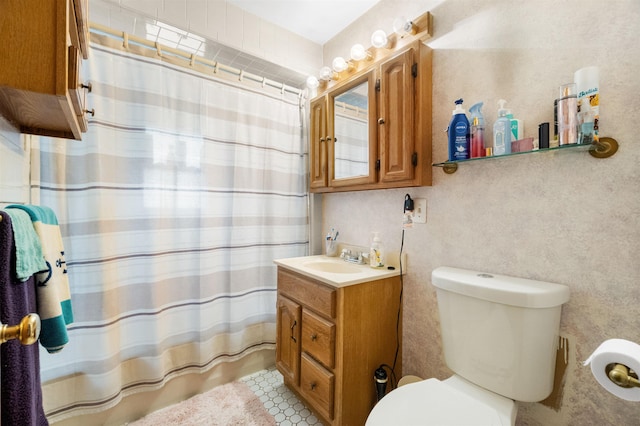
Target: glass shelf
604	148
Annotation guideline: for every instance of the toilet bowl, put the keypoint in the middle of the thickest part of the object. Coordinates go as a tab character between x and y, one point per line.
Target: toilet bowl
499	337
453	401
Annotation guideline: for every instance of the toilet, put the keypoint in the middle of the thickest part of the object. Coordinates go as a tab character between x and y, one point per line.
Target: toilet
499	337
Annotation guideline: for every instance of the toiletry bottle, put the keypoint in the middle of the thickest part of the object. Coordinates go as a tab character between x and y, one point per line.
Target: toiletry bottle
459	134
376	252
586	80
502	131
477	131
517	128
568	126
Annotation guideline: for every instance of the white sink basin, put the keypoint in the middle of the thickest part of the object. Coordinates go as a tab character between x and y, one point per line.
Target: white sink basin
332	267
338	273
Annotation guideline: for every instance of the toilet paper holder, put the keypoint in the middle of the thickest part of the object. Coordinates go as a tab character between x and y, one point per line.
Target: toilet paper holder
622	375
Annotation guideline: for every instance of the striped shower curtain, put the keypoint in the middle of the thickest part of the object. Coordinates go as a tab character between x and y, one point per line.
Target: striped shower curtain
172	209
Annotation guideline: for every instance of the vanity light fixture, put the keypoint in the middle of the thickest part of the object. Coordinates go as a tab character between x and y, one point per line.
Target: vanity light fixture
379	39
359	53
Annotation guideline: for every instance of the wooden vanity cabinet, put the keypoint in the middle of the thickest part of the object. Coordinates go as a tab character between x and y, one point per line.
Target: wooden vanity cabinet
400	137
43	45
330	341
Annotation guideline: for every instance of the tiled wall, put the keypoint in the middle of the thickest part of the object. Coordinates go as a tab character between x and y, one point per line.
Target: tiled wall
219	21
561	217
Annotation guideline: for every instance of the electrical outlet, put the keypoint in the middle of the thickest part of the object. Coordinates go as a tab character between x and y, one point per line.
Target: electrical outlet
420	210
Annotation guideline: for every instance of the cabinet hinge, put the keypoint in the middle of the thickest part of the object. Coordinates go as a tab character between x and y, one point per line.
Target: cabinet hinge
377	85
378	164
414	159
414	70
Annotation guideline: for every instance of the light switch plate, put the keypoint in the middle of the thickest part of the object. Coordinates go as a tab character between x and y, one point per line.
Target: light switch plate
420	210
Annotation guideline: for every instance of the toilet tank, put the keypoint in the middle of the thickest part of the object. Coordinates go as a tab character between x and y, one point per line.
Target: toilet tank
500	332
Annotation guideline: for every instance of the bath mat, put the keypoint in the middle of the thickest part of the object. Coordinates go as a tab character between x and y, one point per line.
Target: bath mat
226	405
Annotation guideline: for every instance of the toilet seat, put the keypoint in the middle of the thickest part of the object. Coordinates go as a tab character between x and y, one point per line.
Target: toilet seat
454	401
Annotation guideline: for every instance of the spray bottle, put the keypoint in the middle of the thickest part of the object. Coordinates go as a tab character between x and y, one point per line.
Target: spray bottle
459	135
502	131
477	131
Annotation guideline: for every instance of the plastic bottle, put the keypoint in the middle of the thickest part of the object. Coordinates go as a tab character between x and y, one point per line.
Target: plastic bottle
477	131
517	128
502	131
459	134
376	252
586	80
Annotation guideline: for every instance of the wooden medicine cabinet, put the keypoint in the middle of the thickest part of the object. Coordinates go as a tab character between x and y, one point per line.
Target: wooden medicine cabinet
372	130
43	45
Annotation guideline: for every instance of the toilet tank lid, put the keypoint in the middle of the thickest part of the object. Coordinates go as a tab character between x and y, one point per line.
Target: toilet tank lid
502	289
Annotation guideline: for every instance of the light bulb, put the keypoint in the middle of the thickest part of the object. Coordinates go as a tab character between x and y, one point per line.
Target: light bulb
379	39
326	73
312	82
402	26
339	64
358	53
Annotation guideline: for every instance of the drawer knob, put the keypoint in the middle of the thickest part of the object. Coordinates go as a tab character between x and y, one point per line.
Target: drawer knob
91	111
314	337
313	385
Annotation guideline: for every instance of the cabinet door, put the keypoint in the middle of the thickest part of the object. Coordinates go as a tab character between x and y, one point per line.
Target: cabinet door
319	133
396	120
288	339
353	151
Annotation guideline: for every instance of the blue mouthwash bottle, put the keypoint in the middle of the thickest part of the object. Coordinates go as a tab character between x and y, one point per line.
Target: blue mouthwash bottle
459	134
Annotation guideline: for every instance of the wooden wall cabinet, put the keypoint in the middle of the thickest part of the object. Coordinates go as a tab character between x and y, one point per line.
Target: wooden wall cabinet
399	103
330	341
43	45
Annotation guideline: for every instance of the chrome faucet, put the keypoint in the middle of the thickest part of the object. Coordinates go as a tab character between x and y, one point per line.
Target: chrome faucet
353	257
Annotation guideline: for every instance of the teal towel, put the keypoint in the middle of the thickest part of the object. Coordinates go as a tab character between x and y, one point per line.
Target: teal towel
29	256
52	292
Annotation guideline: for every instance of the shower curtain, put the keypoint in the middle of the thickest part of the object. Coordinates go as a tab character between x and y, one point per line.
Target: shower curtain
172	209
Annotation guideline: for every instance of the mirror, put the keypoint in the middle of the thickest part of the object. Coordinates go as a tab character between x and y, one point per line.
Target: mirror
351	119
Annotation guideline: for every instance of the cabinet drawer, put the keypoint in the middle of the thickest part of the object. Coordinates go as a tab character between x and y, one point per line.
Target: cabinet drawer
317	386
319	296
318	338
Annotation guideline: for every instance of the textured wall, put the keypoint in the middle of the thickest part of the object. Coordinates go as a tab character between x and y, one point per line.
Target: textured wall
14	165
563	217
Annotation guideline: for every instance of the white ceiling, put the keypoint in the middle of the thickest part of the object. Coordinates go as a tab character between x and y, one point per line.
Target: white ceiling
316	20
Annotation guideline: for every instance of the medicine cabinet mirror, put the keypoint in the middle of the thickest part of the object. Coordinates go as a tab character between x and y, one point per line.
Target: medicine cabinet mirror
351	127
352	111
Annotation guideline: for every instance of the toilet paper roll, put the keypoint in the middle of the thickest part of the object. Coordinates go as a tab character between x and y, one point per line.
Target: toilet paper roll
615	351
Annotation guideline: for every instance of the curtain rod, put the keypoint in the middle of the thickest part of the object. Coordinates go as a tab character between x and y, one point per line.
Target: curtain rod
190	58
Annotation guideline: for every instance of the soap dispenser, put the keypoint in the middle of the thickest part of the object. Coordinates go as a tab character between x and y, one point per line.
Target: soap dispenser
376	252
502	131
458	133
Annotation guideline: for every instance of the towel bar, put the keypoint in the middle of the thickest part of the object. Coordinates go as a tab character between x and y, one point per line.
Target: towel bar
27	331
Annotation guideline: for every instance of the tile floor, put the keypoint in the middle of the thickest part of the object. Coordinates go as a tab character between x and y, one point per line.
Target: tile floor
283	404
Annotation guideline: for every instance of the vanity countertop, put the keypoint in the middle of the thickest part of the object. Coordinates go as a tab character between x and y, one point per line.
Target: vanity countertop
338	273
